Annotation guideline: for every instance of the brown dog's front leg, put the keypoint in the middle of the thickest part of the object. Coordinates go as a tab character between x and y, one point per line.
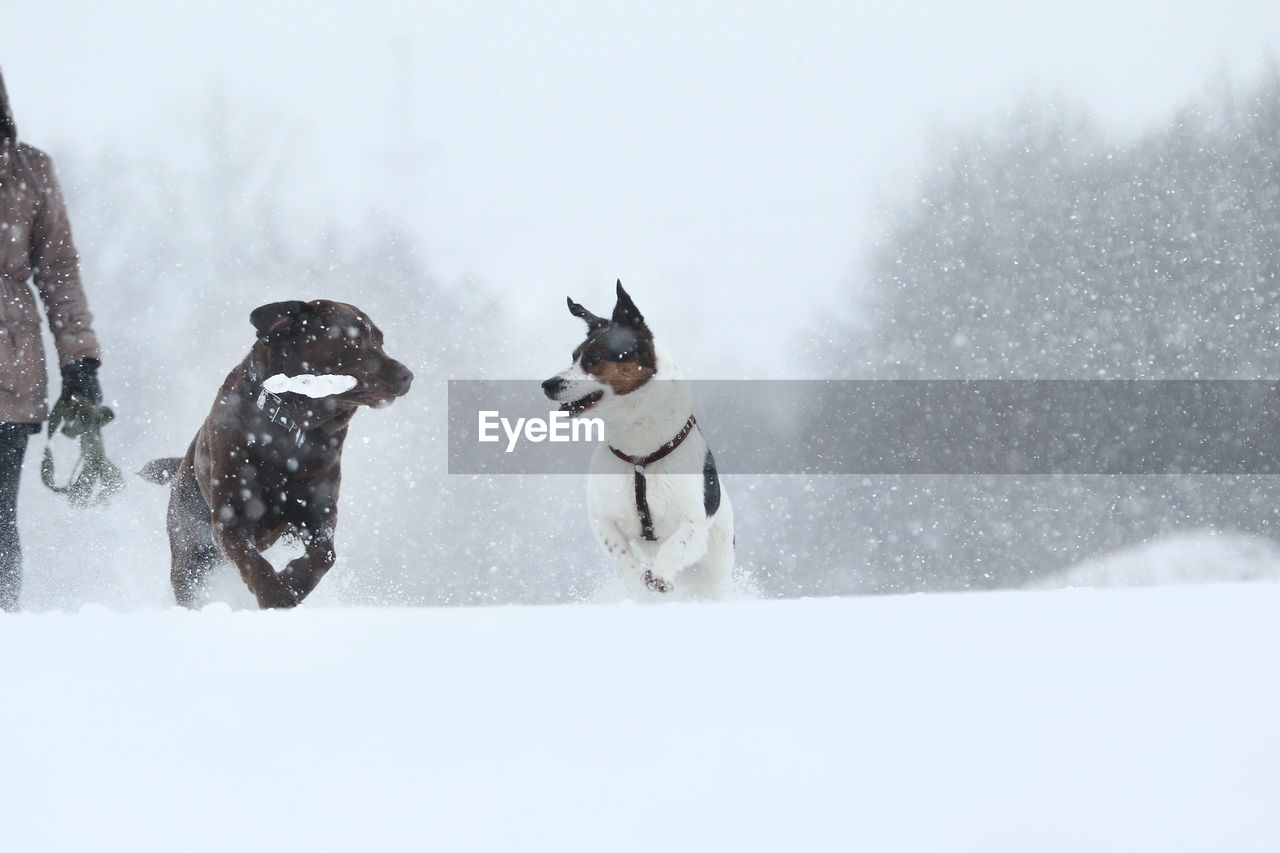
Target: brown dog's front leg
304	573
262	580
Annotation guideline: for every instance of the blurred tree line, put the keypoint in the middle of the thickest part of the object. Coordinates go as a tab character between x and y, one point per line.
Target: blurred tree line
1038	248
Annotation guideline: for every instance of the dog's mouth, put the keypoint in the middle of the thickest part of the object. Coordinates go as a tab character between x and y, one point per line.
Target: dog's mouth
580	405
374	398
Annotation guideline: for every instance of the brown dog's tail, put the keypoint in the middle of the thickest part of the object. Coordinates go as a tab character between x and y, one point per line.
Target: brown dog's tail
160	471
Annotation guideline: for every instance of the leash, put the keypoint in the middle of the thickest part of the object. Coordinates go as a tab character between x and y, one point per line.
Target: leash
639	463
94	478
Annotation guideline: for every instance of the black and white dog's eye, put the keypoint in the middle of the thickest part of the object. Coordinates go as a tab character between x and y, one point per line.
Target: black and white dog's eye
590	358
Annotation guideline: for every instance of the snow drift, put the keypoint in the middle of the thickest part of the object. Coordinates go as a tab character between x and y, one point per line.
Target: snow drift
1197	556
1067	720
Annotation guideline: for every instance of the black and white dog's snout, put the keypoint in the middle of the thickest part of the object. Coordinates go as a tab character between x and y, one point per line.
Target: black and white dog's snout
553	387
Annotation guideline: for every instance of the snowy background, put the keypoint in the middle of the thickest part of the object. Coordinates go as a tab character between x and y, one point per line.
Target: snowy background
804	190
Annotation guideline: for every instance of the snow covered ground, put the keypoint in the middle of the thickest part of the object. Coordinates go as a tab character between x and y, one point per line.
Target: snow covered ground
1023	721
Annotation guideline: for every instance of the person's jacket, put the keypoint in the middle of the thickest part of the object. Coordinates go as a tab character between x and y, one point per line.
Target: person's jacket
35	245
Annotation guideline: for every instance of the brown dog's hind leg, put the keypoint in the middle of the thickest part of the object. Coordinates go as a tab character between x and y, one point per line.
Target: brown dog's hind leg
191	550
189	571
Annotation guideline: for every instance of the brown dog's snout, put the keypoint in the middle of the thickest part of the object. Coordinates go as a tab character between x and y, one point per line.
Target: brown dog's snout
399	378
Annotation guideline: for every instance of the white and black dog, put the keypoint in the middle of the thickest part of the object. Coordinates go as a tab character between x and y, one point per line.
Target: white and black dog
655	501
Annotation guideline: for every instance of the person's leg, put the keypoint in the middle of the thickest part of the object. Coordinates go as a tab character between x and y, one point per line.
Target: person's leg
13	445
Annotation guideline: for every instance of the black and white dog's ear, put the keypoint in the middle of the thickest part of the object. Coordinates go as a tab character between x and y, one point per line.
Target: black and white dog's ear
593	322
625	312
276	317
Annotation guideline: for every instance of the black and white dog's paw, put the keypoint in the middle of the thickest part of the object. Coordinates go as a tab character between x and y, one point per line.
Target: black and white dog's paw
656	584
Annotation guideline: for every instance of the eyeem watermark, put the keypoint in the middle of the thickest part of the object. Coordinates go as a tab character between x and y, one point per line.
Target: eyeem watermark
559	427
1019	427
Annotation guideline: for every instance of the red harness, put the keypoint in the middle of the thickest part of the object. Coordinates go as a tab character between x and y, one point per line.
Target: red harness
639	462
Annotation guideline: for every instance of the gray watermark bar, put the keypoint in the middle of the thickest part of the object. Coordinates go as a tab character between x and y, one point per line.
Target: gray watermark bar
872	427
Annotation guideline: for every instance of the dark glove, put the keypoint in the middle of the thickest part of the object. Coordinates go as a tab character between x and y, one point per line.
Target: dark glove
79	407
81	378
79	413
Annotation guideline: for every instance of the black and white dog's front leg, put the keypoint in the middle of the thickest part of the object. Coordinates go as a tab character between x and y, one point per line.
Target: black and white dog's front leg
682	549
617	544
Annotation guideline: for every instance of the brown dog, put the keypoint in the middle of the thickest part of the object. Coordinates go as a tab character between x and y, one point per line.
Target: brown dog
263	464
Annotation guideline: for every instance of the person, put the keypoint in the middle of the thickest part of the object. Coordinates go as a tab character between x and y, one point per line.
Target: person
35	246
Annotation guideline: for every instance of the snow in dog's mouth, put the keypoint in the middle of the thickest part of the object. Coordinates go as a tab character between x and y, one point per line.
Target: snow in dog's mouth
310	385
580	405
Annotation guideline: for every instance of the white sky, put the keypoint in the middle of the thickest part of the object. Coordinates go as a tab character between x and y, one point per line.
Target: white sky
725	159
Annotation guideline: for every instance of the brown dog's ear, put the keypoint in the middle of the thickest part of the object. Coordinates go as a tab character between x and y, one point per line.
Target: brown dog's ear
275	317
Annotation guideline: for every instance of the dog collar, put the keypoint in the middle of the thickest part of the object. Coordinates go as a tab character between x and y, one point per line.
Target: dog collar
277	412
639	463
276	409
